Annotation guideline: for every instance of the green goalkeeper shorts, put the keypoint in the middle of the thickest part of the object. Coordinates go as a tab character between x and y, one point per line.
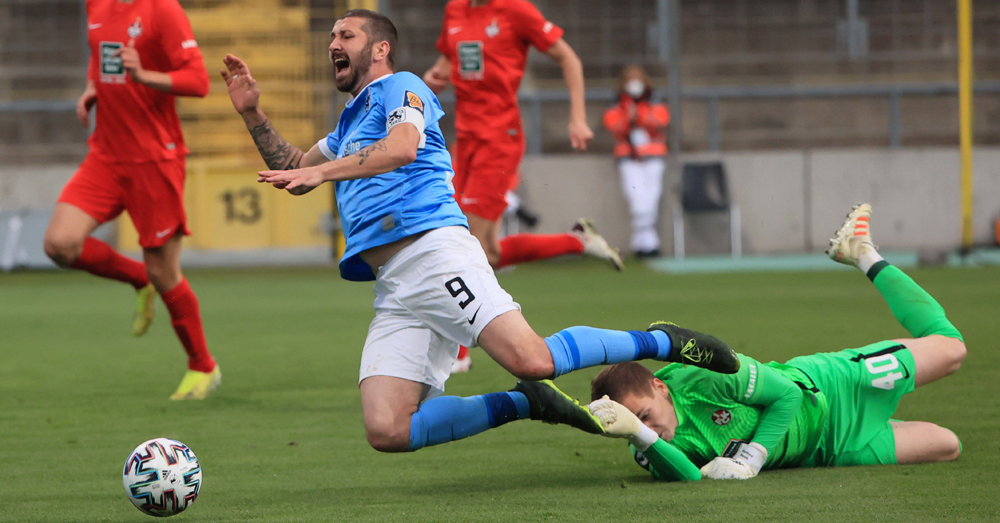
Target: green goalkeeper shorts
863	387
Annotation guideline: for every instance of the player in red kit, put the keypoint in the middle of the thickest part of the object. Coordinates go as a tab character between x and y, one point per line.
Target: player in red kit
142	55
484	48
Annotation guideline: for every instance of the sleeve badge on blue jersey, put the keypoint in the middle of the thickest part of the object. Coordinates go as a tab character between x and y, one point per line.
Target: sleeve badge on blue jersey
395	117
414	101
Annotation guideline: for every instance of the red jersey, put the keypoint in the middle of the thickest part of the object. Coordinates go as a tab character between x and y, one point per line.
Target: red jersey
136	123
488	47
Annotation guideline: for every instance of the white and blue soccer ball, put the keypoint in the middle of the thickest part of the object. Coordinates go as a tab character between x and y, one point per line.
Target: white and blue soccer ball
162	477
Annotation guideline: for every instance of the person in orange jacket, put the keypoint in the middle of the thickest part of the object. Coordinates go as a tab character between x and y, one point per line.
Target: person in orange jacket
639	127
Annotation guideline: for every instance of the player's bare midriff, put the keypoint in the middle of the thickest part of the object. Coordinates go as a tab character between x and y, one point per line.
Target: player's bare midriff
376	257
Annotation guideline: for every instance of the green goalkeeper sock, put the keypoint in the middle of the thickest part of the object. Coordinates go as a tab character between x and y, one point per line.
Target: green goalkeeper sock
918	313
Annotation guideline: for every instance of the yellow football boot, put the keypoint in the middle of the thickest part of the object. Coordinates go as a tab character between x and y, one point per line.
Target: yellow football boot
196	385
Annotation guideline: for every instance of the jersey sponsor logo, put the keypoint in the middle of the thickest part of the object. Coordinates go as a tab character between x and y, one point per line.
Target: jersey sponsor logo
752	384
410	99
188	44
493	29
722	417
547	27
135	29
351	148
112	69
470	60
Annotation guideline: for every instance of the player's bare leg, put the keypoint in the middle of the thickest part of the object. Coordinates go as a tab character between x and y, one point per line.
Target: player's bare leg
388	404
69	244
512	343
923	442
164	269
488	234
935	356
163	264
68	229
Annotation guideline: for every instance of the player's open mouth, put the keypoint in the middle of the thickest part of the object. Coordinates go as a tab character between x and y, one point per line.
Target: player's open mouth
340	64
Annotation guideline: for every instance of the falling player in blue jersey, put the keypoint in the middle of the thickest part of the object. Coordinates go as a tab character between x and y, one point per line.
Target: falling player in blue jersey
434	288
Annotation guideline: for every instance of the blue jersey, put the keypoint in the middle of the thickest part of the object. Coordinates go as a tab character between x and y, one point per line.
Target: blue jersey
414	198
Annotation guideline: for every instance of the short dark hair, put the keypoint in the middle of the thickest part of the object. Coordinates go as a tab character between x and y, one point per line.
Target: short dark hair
621	379
379	28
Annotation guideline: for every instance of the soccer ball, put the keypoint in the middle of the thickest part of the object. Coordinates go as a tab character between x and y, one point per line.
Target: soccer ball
162	477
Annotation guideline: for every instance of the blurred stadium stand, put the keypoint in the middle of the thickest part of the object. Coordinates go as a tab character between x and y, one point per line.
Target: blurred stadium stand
738	44
757	76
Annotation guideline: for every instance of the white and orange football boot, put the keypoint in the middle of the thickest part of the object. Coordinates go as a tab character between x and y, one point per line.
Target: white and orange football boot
854	237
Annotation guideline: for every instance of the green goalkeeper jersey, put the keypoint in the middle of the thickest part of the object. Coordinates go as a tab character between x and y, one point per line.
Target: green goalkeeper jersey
773	404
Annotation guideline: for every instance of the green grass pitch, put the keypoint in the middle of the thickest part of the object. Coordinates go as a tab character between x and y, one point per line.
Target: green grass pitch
282	440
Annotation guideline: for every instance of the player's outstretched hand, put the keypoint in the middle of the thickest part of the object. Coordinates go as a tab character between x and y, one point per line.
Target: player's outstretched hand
243	90
618	421
297	181
744	465
580	135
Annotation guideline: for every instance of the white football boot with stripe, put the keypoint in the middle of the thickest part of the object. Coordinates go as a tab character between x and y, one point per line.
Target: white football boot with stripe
595	245
854	237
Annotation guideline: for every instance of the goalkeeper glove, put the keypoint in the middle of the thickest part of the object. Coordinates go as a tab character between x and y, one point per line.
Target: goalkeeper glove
745	463
619	422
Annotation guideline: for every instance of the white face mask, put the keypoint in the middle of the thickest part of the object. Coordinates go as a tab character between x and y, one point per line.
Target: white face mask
635	88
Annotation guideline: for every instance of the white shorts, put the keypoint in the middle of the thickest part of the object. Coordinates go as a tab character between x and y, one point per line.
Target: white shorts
437	293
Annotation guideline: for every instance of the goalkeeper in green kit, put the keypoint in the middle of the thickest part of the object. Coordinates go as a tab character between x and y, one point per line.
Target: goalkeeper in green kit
827	409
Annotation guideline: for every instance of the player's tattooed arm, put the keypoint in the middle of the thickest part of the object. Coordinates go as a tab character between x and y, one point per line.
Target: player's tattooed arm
278	154
367	151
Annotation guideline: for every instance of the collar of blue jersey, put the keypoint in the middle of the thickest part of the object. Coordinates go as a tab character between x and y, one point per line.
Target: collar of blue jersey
379	79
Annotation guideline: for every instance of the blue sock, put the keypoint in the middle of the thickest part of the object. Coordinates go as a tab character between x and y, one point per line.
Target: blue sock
578	347
449	418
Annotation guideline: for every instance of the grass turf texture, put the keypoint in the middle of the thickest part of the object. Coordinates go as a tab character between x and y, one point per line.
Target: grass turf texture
283	440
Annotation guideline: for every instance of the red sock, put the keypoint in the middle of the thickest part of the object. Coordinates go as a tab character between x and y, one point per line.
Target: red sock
99	259
522	248
463	351
186	319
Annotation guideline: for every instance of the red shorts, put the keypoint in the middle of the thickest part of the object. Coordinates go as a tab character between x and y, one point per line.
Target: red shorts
151	192
484	171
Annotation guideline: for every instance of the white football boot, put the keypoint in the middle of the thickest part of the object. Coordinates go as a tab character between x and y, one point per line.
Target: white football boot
595	245
853	238
462	364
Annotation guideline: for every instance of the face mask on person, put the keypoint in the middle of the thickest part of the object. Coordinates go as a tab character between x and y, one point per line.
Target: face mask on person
635	88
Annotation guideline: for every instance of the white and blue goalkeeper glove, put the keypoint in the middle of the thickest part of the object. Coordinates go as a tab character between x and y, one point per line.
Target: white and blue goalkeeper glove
745	463
619	422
